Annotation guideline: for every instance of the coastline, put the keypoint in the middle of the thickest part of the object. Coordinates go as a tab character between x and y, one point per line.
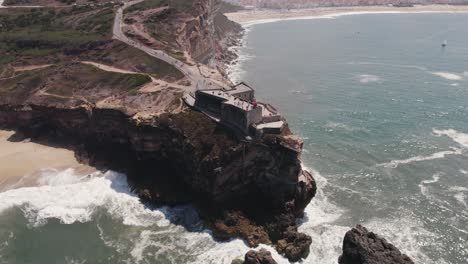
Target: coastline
27	160
251	17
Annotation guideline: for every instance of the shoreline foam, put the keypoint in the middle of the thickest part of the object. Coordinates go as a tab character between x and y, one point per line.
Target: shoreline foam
247	19
250	18
21	163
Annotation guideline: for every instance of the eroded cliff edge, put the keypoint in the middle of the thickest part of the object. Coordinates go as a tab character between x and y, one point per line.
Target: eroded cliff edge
249	189
120	109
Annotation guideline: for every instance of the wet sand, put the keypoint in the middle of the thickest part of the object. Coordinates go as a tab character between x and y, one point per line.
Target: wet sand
21	161
251	17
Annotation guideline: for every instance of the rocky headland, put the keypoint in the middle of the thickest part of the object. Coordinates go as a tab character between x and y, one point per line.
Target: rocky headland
65	80
118	107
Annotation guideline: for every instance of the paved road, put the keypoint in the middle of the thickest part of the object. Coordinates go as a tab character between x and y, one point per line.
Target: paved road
191	72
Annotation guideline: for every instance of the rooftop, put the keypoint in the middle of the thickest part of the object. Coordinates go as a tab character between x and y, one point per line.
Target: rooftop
240	88
229	99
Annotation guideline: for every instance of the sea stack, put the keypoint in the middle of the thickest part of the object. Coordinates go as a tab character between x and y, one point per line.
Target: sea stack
361	246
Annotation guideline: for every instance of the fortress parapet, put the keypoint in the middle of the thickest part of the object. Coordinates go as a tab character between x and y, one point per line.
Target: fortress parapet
237	108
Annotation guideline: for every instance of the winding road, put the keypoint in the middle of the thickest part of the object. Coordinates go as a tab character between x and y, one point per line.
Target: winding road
191	72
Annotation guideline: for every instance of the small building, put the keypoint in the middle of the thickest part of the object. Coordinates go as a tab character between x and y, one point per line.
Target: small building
228	109
237	108
240	114
211	100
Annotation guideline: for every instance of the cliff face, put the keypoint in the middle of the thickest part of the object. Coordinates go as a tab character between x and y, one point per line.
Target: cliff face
197	28
135	122
198	155
184	157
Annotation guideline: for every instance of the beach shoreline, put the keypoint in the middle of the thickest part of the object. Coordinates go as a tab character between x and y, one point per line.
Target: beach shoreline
248	18
22	162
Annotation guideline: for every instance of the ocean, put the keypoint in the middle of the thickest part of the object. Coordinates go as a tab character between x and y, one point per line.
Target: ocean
383	110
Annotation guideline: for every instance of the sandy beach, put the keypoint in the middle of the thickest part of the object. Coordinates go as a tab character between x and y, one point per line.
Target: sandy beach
252	17
21	161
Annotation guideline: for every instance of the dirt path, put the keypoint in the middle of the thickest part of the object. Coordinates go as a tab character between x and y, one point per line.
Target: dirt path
191	72
109	68
31	67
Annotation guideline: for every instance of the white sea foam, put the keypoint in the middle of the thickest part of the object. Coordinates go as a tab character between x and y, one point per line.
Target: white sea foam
437	155
321	216
341	126
423	184
448	75
321	225
455	84
460	194
72	199
336	15
421	68
368	78
235	71
459	137
407	234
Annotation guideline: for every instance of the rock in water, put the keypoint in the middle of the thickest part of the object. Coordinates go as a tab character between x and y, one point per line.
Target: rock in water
262	256
363	247
294	245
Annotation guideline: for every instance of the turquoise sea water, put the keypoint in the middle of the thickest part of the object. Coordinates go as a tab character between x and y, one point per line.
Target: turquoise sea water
383	110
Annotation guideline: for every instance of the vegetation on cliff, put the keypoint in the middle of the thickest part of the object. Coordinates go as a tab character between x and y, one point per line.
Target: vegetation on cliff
32	36
252	189
72	83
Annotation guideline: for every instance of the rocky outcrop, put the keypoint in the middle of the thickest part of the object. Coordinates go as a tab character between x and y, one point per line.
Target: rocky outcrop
363	247
248	189
294	245
262	256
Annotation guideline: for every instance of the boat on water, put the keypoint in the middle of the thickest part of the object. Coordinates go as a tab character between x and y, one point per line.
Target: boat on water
444	44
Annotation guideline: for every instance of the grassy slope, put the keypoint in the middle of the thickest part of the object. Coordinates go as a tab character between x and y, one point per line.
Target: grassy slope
68	80
55	35
160	26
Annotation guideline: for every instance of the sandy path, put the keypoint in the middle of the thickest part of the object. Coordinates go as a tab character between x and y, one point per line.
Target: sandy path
30	67
18	159
247	18
108	68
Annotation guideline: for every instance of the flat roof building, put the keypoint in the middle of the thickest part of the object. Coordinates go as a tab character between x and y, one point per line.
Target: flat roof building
236	107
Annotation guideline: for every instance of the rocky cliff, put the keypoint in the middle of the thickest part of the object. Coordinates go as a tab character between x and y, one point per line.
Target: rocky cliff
193	30
120	109
172	154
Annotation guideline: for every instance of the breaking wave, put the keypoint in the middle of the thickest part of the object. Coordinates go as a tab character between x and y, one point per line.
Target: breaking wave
424	183
70	198
460	138
448	76
407	234
320	224
438	155
368	78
